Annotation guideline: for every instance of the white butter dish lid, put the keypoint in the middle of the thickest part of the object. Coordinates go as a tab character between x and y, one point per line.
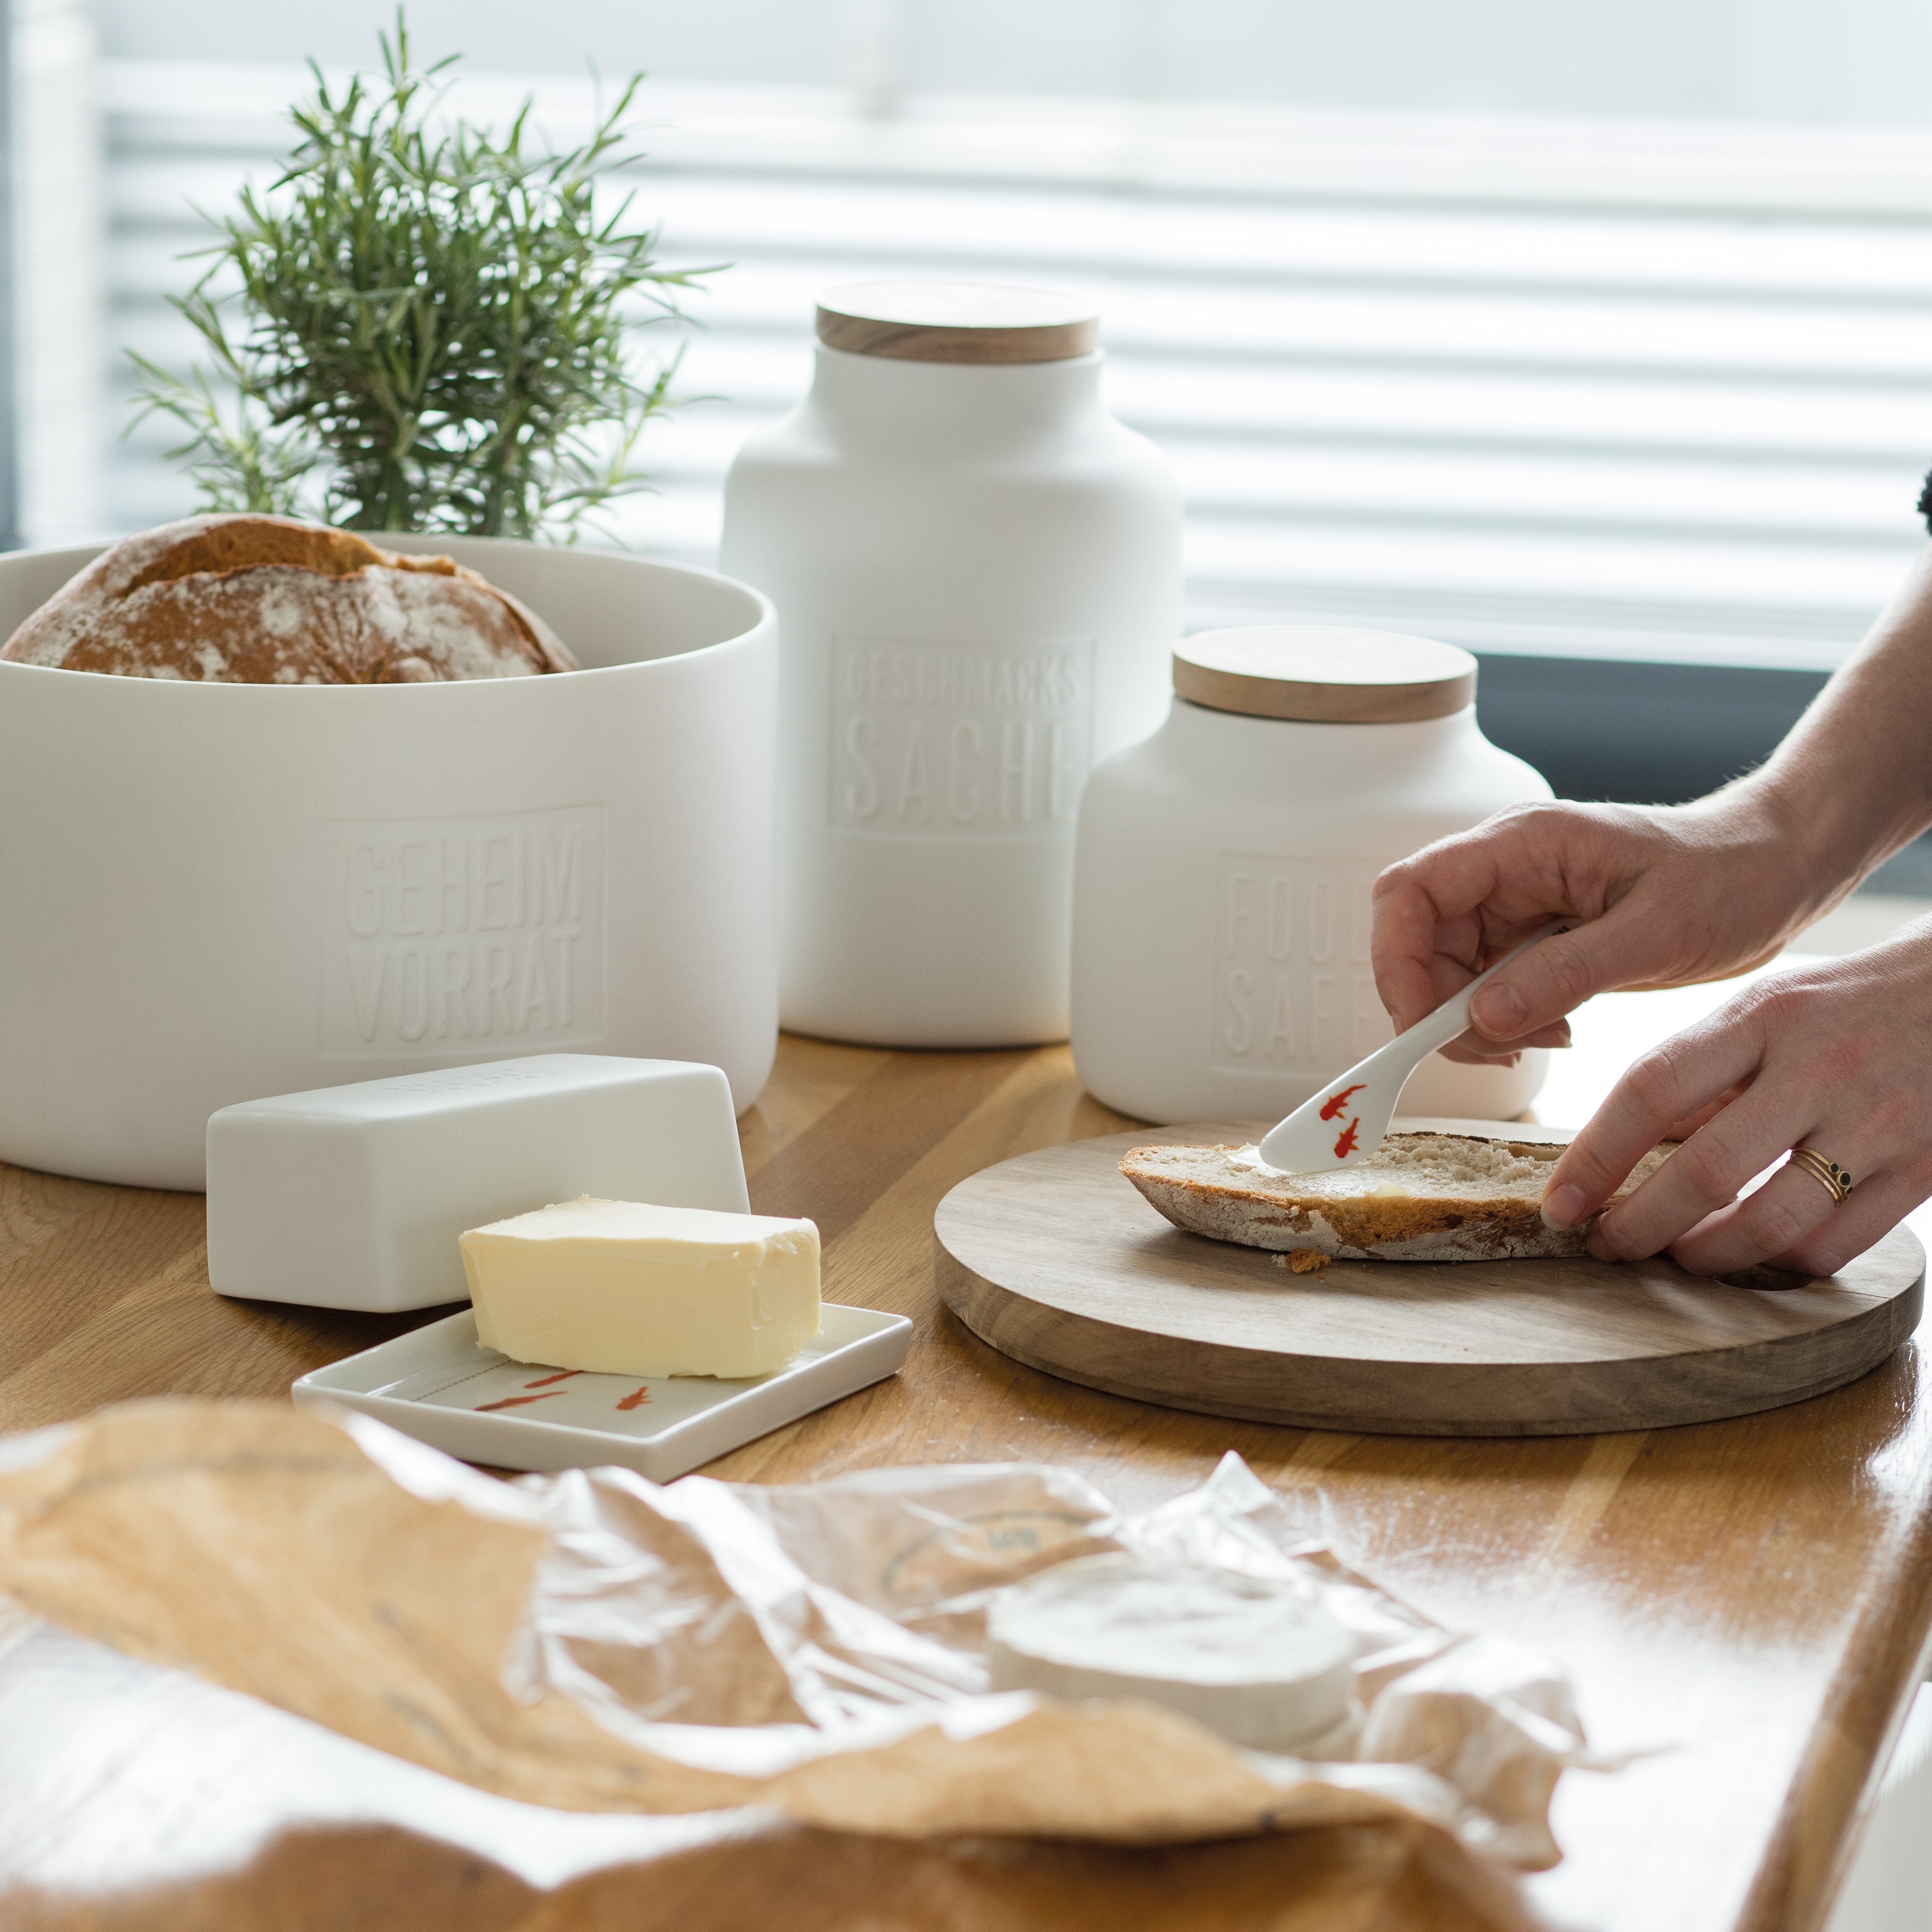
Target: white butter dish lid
1261	1661
354	1196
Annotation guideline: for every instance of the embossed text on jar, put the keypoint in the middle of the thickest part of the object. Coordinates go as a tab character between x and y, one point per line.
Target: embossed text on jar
942	740
1293	987
438	934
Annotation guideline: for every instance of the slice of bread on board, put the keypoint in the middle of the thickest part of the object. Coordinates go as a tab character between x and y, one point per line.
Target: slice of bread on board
1419	1197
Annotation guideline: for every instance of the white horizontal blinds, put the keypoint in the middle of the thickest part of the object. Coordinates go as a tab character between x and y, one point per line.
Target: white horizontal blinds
1560	387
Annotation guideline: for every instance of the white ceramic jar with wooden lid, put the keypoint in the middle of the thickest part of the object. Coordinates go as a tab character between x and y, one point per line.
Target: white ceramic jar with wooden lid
1222	907
977	574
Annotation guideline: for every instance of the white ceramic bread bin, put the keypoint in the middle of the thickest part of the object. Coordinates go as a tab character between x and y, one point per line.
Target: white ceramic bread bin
212	892
977	574
1221	967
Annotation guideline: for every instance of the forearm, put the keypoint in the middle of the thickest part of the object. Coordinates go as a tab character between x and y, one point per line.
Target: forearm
1853	780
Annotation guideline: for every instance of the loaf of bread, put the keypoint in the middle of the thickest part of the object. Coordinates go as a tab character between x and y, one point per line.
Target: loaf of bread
1419	1197
267	600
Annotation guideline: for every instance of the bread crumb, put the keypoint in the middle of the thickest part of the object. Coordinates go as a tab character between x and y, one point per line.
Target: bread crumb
1303	1260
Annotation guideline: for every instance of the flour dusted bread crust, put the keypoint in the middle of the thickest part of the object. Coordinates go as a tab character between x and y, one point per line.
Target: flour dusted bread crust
1419	1197
268	600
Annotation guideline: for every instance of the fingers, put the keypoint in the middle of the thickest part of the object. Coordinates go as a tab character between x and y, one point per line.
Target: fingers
1471	1048
1682	1130
1788	1209
1442	914
1437	912
1702	1176
1410	942
1834	1057
1876	1206
1786	1216
1830	1233
1793	1221
1557	977
1685	1076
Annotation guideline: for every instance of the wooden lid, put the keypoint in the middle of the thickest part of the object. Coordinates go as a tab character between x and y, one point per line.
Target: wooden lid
957	322
1324	676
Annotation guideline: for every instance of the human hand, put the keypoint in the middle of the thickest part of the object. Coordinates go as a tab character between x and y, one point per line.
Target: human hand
1835	1056
1664	896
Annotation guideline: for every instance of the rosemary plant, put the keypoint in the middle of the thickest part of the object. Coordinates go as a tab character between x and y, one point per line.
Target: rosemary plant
432	323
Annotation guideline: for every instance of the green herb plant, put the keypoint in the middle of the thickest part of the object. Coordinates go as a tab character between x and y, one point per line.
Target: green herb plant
431	332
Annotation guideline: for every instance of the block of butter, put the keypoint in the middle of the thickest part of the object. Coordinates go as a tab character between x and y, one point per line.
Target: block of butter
619	1288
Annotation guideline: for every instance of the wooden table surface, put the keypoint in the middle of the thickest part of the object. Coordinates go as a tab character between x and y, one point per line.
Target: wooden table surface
1756	1595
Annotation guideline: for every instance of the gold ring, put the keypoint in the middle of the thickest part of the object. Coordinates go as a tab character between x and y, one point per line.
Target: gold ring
1828	1174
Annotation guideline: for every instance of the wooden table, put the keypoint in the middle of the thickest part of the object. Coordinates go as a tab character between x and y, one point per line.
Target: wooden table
1755	1593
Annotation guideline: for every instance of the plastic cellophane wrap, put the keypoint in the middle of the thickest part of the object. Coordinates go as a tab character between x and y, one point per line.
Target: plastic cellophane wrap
810	1656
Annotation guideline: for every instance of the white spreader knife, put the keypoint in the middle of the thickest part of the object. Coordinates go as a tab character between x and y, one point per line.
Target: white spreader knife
1349	1119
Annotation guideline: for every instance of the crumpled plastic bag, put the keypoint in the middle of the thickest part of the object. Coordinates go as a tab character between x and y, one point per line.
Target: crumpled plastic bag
592	1641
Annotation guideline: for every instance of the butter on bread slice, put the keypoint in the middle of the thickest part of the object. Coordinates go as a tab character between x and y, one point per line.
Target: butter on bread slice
1419	1197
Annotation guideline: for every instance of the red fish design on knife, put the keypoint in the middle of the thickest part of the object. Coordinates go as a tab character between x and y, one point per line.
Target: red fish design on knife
1335	1102
1345	1145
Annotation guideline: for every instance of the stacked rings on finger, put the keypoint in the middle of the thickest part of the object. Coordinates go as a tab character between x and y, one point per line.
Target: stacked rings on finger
1828	1174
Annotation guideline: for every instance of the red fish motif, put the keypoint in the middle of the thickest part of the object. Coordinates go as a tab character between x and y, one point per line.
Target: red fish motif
1335	1102
1345	1145
513	1402
544	1381
636	1398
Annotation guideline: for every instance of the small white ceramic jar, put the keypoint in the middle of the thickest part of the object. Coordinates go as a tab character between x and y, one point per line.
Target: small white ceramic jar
977	574
1222	908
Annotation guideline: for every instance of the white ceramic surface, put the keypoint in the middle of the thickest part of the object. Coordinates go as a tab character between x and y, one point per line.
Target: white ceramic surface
1221	919
212	893
354	1197
437	1385
977	571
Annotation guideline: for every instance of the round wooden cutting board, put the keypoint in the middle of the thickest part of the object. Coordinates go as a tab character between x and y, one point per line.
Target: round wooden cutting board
1055	1260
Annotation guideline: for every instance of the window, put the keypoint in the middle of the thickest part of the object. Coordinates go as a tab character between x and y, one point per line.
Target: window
1443	331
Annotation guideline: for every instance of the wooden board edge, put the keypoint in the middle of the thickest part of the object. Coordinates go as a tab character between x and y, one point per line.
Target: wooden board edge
989	1310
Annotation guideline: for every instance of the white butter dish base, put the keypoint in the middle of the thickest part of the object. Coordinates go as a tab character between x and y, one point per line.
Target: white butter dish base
438	1384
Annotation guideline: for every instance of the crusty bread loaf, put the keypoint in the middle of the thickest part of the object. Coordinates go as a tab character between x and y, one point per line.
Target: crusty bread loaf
1418	1198
267	600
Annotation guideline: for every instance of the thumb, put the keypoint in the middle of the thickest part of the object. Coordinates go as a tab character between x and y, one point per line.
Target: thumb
1558	976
